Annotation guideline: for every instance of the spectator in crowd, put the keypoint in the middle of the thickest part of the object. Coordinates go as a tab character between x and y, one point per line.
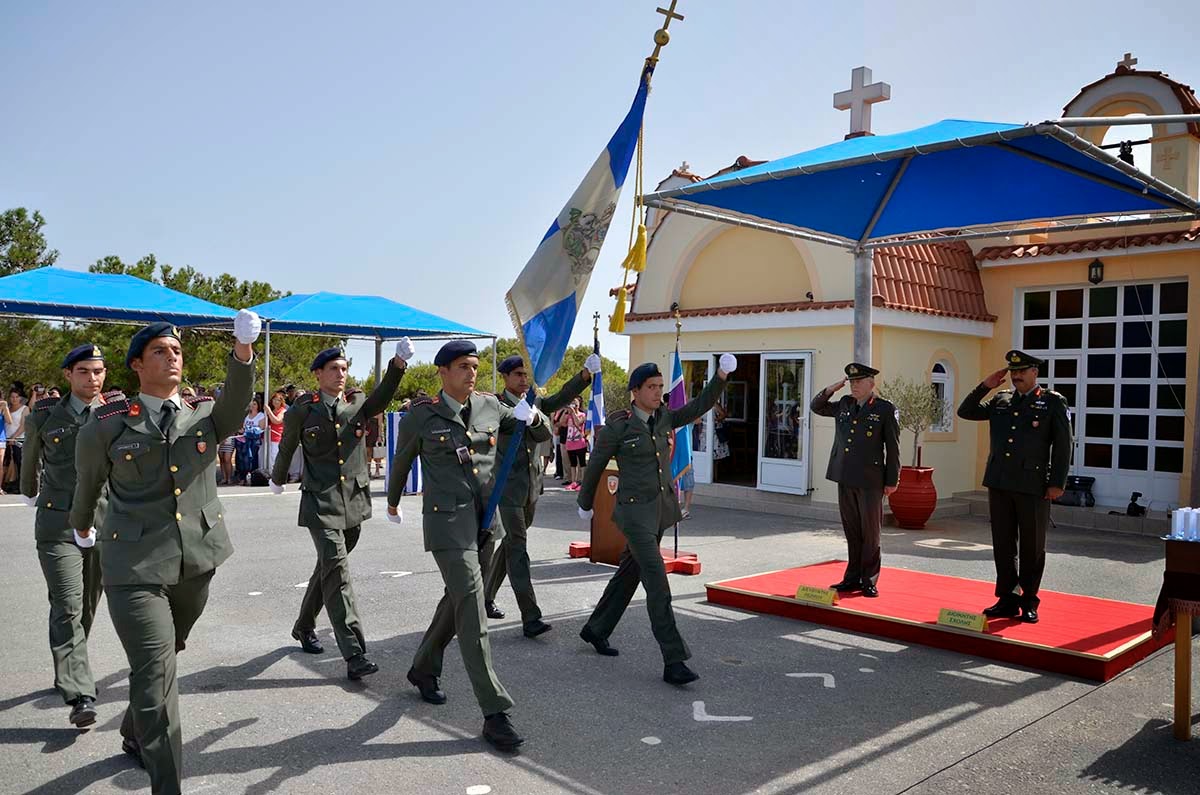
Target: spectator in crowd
289	394
276	408
576	444
559	420
225	453
376	449
54	393
187	392
37	392
14	429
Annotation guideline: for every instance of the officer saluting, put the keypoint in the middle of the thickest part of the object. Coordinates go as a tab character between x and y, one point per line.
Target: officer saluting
523	487
335	493
164	532
1026	469
865	463
70	563
455	436
639	438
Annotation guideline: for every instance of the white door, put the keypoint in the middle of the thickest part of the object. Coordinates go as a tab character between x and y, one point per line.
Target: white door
783	422
698	368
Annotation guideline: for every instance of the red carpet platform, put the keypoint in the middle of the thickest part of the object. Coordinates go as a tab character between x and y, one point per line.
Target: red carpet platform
1077	635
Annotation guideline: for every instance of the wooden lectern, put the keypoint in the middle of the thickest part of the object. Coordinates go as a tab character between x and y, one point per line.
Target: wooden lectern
1183	587
607	540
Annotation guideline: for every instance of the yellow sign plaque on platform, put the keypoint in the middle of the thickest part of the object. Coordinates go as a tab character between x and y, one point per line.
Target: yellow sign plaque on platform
961	619
819	596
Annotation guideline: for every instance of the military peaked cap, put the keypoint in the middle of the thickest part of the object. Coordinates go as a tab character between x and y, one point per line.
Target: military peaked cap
1019	360
856	371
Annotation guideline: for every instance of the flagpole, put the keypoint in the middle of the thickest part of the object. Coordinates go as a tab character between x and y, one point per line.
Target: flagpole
679	482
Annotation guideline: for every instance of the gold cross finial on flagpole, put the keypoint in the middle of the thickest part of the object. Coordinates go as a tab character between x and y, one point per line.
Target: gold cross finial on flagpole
678	321
596	322
661	36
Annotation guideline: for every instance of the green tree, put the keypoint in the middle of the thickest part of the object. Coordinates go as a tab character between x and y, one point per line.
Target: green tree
918	405
22	244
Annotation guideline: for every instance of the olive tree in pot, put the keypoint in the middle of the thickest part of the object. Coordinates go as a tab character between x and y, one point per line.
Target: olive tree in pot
920	408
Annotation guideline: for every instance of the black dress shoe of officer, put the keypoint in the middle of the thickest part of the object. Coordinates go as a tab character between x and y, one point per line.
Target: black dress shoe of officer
498	731
535	628
869	590
1002	609
83	712
1029	615
846	587
599	644
431	693
493	611
359	666
308	641
677	673
130	747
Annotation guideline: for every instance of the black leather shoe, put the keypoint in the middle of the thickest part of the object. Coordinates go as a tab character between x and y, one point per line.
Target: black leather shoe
1029	615
869	590
130	747
83	712
535	628
359	666
677	673
308	641
845	587
599	644
493	611
1002	609
498	731
431	693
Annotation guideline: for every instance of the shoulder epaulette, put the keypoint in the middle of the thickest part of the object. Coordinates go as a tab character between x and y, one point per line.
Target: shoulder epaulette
112	394
619	414
307	397
422	401
196	399
350	394
45	404
112	409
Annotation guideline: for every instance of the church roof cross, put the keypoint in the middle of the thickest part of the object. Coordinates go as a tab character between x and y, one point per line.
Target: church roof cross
1128	62
859	98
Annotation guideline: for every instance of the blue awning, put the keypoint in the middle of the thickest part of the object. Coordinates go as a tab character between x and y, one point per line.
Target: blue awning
357	316
76	295
952	175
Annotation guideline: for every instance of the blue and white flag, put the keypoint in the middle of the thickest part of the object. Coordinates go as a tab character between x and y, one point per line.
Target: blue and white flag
545	298
681	457
595	413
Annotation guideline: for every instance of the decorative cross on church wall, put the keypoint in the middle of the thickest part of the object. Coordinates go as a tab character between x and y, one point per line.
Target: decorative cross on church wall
859	99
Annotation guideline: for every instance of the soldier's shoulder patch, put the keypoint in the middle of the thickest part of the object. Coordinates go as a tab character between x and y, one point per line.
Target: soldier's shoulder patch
351	394
45	404
422	401
113	395
113	409
620	415
195	400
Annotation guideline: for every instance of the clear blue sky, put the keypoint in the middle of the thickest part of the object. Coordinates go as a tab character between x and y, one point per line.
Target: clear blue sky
420	150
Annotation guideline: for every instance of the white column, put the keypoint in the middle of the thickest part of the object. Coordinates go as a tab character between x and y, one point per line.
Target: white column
864	266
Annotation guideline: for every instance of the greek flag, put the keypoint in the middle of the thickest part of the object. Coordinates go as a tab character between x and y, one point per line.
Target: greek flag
681	458
545	298
595	414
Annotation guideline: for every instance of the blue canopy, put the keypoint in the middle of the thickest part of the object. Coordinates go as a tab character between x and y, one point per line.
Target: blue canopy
357	316
61	293
952	175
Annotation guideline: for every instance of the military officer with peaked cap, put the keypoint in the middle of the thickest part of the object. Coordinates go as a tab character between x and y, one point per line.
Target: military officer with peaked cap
639	438
329	426
865	463
523	487
1026	469
70	563
164	534
455	435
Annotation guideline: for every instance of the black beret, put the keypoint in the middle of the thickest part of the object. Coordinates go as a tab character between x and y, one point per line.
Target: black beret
1019	360
325	357
510	364
143	337
856	371
640	374
82	354
454	349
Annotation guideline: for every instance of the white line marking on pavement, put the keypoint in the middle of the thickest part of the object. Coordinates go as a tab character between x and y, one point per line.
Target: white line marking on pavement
699	713
866	670
951	545
395	574
254	593
651	740
478	789
301	584
870	656
826	678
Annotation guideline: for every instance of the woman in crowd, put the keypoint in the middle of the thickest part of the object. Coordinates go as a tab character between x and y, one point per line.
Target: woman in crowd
276	408
577	443
14	430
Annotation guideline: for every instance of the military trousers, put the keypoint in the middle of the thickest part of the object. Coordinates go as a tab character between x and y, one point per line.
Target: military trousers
73	588
862	523
641	562
330	586
461	612
153	622
1019	544
512	558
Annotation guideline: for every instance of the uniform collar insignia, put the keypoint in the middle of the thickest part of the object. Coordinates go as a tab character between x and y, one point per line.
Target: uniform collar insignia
135	410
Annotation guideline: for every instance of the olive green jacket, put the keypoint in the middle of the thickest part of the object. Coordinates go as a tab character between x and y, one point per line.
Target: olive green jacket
524	481
1031	438
164	522
335	491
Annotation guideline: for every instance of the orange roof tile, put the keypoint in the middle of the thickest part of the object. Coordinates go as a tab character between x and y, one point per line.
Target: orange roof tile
1085	246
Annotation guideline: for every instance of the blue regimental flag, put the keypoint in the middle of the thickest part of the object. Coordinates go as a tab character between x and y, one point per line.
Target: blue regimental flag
681	458
595	413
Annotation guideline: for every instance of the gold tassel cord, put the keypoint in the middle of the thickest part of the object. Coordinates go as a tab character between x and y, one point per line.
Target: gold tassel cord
616	323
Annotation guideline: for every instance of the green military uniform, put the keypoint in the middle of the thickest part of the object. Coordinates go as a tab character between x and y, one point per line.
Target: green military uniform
160	543
645	507
1030	451
335	496
72	573
519	501
865	458
458	459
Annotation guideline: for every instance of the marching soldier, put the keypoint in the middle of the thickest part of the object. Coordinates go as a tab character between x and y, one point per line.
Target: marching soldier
164	534
1026	469
70	563
522	489
865	463
639	438
335	493
454	434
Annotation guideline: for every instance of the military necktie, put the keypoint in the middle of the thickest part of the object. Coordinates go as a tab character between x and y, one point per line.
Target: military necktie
650	424
168	416
466	414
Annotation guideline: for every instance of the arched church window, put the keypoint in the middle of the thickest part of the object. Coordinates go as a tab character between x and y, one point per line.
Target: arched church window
941	380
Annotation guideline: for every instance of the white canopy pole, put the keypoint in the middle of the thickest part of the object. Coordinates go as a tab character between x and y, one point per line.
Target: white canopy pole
267	397
1114	121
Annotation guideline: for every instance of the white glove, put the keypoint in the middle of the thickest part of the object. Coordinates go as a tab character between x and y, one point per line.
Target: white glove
85	542
276	488
585	515
404	348
523	411
30	502
246	327
728	363
397	517
592	363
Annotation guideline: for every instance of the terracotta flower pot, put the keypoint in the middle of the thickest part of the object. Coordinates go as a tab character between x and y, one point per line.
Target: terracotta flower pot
913	502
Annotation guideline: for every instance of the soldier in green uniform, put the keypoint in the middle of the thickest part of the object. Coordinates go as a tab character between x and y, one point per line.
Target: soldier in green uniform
329	426
865	463
70	564
454	434
1026	469
639	438
523	487
164	534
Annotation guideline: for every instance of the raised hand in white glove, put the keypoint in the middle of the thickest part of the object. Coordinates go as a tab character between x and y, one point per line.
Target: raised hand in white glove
30	502
585	515
246	327
395	515
728	363
523	411
276	488
87	541
592	363
404	349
